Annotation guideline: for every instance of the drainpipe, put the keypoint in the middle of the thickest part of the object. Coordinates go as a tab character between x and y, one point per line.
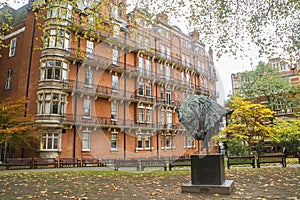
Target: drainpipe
125	102
75	106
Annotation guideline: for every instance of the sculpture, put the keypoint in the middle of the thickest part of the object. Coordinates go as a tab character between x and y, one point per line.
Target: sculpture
201	116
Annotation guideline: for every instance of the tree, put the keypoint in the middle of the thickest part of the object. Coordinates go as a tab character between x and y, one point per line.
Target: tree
249	123
229	26
232	25
288	134
266	83
16	130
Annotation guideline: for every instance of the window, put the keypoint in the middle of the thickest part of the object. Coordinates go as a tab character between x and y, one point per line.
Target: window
168	96
143	140
147	140
141	65
141	114
12	47
115	56
61	10
188	141
114	141
169	119
146	43
148	67
163	49
162	142
87	108
88	80
188	61
148	89
53	70
57	38
50	141
162	116
51	103
140	141
169	53
182	77
183	59
116	31
188	78
141	88
168	141
162	93
149	115
161	71
168	73
86	141
114	111
8	79
140	41
115	83
89	49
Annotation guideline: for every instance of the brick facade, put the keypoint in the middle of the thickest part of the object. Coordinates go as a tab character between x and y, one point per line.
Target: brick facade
90	103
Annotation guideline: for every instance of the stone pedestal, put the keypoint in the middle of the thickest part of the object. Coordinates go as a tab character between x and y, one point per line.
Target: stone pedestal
208	175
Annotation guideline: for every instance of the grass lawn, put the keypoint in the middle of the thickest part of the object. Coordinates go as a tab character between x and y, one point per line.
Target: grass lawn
264	183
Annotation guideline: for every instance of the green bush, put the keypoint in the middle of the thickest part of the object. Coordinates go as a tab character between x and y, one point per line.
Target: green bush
236	147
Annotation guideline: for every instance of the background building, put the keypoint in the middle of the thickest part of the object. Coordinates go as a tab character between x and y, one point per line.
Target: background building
108	92
285	104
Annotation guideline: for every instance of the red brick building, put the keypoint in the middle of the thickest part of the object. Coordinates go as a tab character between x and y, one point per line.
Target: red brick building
106	93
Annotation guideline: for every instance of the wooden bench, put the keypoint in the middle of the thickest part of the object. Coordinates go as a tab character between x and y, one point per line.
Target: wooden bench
44	162
91	162
271	158
69	162
240	160
126	163
153	163
18	162
180	163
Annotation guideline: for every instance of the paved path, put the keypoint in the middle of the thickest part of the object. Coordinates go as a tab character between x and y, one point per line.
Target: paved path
111	168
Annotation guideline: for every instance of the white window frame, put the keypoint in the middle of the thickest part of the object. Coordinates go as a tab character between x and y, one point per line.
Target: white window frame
168	73
12	47
8	79
114	111
87	108
50	142
148	115
141	114
115	83
115	56
86	140
89	49
88	78
148	67
141	65
148	91
114	141
141	91
169	119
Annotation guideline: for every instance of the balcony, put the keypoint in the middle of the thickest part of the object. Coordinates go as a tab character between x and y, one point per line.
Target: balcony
105	122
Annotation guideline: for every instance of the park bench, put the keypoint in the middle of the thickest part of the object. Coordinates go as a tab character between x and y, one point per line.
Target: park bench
181	162
239	160
126	163
153	163
271	158
91	162
69	162
18	162
44	162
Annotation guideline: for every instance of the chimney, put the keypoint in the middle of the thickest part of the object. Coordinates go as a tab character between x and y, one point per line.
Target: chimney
162	17
194	36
